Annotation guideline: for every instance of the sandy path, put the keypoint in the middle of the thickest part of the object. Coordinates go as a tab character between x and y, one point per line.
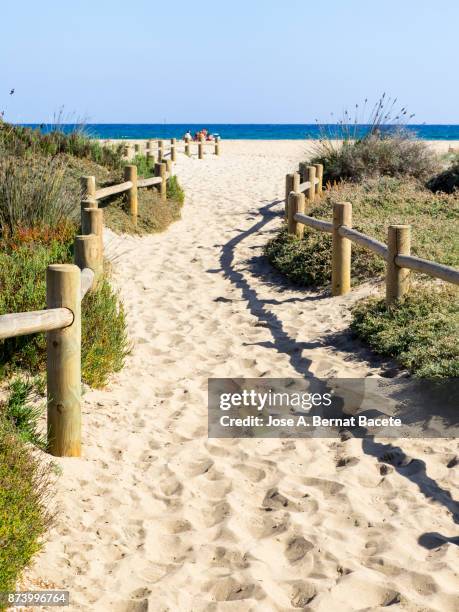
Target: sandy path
158	517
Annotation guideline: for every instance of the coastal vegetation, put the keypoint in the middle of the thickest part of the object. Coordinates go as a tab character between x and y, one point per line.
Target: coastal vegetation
40	197
390	179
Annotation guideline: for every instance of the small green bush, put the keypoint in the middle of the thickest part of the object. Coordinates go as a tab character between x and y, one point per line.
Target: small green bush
23	288
379	154
447	181
154	214
104	343
174	191
24	488
145	168
420	332
23	408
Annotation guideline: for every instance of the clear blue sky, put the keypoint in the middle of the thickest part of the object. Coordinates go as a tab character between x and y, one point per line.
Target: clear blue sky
238	61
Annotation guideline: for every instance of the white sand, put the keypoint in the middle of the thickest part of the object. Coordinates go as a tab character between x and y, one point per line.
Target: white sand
157	517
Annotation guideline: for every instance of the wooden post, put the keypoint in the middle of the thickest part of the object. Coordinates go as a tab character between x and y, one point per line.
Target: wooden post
168	163
137	147
150	159
296	204
160	170
160	151
92	222
89	203
320	175
130	174
200	149
217	147
149	145
397	279
292	183
341	249
187	147
89	254
173	152
63	290
88	186
310	175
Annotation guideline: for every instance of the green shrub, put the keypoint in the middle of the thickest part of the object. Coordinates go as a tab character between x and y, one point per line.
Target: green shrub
382	154
376	204
420	331
447	181
25	142
104	338
368	143
24	488
145	168
23	288
34	192
153	214
23	409
174	191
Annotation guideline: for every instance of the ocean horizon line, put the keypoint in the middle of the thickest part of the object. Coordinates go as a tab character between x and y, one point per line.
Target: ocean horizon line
241	131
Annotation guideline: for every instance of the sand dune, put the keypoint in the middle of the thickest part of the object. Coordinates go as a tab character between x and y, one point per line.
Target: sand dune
155	516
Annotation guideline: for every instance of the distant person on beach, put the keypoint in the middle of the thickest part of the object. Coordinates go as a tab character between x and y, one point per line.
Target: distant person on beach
187	136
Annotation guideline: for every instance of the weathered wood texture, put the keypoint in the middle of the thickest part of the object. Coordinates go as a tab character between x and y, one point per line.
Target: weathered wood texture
63	290
23	323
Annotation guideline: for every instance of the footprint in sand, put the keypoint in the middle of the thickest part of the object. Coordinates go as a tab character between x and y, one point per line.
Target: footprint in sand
230	589
302	593
266	526
251	472
296	548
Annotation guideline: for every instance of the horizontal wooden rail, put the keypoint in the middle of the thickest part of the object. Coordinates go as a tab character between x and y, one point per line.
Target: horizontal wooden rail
446	273
364	241
306	185
112	190
317	224
23	323
149	182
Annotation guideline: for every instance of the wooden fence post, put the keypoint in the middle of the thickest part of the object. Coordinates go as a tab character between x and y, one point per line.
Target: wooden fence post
217	146
89	203
187	147
292	183
89	254
150	159
88	186
137	147
200	150
397	279
160	170
341	249
92	222
296	204
173	152
168	163
310	176
149	145
320	175
130	174
160	151
63	290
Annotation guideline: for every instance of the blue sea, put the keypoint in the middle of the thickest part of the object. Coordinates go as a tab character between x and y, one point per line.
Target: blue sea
243	131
